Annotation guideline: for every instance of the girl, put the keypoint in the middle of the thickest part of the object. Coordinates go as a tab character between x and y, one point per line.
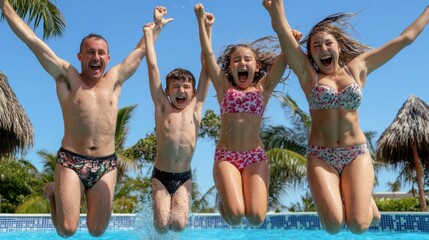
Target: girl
243	84
332	75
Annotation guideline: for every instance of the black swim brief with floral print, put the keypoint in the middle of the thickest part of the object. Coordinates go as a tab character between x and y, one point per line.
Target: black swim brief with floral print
89	169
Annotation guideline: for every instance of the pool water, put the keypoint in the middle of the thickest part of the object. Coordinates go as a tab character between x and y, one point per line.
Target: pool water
224	234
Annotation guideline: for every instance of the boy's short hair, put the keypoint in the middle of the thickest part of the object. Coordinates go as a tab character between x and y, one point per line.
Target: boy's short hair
180	74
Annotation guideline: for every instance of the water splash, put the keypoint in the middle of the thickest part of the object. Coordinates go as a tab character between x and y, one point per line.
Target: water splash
143	223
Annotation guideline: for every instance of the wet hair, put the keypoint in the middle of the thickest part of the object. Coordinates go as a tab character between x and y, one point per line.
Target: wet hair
180	74
264	50
337	25
96	36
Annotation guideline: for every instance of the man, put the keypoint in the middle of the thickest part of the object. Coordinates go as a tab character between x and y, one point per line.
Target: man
86	162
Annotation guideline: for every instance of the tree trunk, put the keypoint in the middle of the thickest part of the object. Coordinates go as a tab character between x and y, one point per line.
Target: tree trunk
419	171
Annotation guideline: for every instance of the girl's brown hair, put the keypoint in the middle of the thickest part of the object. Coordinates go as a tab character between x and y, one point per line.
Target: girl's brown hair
337	25
264	50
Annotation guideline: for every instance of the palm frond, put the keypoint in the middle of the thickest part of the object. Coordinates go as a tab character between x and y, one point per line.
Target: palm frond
287	170
300	119
283	137
38	11
122	125
34	204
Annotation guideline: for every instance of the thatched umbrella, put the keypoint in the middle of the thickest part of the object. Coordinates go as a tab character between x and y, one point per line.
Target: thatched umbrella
16	131
406	140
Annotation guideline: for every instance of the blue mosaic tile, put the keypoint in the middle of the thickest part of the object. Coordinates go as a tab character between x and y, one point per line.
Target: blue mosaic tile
390	222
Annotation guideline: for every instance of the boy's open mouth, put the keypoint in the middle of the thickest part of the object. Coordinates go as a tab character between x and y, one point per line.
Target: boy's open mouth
180	99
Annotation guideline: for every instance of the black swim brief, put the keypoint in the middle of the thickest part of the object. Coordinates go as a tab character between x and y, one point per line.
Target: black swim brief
171	181
89	169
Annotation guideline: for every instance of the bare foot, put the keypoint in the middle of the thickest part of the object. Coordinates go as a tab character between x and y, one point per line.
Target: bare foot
48	191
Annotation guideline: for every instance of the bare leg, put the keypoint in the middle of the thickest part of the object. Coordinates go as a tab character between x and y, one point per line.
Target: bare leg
357	182
100	200
180	207
49	193
255	188
65	200
229	186
325	187
161	206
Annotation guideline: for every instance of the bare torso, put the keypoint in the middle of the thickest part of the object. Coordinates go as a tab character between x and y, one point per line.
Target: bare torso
335	127
240	132
89	114
176	132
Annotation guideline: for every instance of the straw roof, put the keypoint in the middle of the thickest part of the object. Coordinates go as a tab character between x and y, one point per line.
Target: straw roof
16	131
411	126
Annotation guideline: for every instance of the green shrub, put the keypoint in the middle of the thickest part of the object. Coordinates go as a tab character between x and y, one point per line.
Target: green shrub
411	204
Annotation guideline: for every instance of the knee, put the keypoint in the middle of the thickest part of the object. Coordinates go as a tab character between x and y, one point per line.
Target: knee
233	218
96	231
333	225
96	228
161	226
357	225
256	219
66	230
178	226
231	215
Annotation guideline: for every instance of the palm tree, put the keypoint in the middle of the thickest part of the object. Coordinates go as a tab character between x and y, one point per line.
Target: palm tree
36	203
307	204
370	135
405	142
286	149
200	203
126	162
49	161
394	187
41	11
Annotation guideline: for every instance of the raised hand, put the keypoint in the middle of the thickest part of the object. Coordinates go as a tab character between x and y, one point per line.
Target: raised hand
209	20
296	34
199	10
149	27
158	16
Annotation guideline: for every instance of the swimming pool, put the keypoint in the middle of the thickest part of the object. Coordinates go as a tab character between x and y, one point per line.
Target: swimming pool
210	226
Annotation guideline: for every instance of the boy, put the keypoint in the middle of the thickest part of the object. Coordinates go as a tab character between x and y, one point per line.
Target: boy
178	113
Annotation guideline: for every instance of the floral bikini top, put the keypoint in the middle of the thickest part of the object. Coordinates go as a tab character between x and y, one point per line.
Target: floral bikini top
235	101
324	97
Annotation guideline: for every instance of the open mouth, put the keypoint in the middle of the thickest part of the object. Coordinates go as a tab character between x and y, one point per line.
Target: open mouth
95	67
326	61
180	100
242	76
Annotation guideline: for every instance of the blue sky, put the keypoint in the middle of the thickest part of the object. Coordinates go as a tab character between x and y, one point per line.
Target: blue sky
120	22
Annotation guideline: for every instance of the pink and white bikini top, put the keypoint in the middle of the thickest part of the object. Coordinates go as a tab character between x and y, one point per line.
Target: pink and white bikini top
324	97
235	101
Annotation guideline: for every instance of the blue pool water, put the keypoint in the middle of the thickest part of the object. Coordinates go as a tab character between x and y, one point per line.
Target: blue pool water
293	226
224	234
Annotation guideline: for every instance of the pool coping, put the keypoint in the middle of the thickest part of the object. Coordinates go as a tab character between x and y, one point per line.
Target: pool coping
390	221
